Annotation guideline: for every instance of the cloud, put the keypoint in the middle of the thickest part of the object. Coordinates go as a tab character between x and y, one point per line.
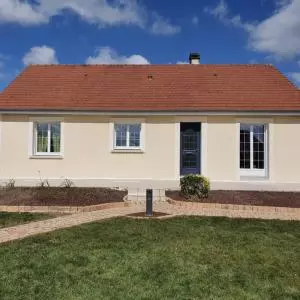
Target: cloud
21	12
182	62
277	35
162	26
221	12
107	55
295	76
100	12
42	55
195	20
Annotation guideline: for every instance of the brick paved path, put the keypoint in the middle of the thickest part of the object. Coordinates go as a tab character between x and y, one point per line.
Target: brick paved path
25	230
233	211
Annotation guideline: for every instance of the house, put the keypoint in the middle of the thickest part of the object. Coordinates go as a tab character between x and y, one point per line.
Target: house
147	125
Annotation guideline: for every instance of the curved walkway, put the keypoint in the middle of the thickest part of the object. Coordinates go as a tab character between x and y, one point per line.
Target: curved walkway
25	230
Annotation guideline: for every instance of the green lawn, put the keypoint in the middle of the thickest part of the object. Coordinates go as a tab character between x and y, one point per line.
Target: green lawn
8	219
180	258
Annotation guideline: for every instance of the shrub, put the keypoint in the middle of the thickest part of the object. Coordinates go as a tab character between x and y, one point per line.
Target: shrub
67	183
44	183
194	186
10	184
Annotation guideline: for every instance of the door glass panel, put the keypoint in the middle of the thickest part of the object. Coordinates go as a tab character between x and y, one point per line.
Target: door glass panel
258	147
190	148
245	146
189	161
190	141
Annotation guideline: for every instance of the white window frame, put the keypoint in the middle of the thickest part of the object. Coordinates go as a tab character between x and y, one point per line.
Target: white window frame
252	172
33	153
127	148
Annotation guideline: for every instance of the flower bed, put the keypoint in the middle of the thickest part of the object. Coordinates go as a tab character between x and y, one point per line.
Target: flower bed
59	196
260	198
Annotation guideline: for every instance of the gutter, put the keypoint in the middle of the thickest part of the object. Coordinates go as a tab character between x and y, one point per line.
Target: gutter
151	113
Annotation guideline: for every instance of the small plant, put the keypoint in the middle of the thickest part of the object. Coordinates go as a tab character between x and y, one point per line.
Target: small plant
67	183
44	183
194	186
10	184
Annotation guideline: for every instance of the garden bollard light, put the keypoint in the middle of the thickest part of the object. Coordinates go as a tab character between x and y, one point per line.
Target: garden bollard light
149	203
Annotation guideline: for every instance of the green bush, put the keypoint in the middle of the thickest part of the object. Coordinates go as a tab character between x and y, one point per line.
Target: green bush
194	186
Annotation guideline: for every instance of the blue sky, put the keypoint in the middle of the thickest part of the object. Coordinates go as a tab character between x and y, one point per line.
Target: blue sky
148	31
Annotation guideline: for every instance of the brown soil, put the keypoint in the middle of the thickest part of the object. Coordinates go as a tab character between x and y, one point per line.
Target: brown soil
59	196
143	214
279	199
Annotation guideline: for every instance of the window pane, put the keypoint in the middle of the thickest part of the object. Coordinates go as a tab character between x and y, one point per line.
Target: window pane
245	146
258	146
55	137
121	133
42	137
134	135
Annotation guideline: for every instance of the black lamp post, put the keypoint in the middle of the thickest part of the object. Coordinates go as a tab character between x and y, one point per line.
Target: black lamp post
149	203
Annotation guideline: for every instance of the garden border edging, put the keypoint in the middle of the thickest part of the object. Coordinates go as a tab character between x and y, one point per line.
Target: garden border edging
62	209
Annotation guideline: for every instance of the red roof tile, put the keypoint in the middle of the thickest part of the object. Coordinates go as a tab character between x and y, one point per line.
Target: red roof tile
151	88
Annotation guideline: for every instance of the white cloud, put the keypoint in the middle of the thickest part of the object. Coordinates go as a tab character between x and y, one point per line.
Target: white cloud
20	12
162	26
182	62
277	35
221	12
107	55
295	76
195	20
100	12
42	55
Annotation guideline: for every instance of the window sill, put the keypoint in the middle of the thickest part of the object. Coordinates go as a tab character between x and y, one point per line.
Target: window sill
46	157
127	151
253	178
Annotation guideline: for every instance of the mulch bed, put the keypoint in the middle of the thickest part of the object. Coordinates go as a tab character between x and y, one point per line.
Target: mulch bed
143	214
59	196
279	199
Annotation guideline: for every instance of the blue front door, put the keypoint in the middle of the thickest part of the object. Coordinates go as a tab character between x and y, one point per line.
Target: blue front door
190	136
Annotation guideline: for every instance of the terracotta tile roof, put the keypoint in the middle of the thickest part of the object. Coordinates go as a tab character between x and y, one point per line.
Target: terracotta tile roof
151	88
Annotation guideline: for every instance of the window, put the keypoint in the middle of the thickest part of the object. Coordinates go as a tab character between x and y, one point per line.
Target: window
47	138
127	136
253	149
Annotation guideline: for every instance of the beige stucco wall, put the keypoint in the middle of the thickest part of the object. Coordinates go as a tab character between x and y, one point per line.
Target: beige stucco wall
222	147
87	155
87	151
285	150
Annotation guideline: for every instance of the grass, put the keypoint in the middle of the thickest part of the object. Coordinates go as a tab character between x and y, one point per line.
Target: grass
8	219
179	258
